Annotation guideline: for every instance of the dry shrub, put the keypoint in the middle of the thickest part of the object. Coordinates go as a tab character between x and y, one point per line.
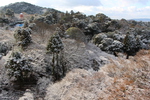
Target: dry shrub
79	84
131	78
41	39
121	80
143	52
75	33
62	90
43	31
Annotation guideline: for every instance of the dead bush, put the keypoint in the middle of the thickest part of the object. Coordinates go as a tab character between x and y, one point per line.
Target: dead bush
44	31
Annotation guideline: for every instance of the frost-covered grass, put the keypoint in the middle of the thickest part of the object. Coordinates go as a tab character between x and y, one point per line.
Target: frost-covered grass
122	79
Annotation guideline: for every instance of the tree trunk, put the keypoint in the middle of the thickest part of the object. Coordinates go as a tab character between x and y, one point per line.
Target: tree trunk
127	56
57	65
115	54
53	64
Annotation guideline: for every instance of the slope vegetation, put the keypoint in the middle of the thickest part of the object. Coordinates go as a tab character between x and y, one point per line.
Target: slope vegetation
122	80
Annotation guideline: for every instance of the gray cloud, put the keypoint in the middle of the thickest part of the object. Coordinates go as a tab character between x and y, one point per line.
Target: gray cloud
84	2
68	3
137	1
112	8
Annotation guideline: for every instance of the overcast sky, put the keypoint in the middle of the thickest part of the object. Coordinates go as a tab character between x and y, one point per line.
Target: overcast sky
115	9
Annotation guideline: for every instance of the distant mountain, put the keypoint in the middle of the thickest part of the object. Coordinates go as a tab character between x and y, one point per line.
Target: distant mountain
20	7
142	19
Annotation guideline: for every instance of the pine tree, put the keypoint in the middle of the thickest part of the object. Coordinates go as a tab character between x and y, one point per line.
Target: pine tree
55	46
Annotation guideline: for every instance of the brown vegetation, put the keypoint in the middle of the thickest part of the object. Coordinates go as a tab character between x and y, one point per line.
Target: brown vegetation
43	32
121	80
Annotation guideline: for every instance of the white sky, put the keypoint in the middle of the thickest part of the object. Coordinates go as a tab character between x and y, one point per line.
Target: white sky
116	9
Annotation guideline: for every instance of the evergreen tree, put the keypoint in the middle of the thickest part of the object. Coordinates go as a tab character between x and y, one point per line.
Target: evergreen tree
115	47
55	46
22	36
72	12
9	13
131	45
18	67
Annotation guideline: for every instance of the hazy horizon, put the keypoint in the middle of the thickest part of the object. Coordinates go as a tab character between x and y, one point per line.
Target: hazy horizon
135	9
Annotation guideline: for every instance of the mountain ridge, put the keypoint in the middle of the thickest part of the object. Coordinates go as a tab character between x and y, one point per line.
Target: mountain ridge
29	8
142	19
